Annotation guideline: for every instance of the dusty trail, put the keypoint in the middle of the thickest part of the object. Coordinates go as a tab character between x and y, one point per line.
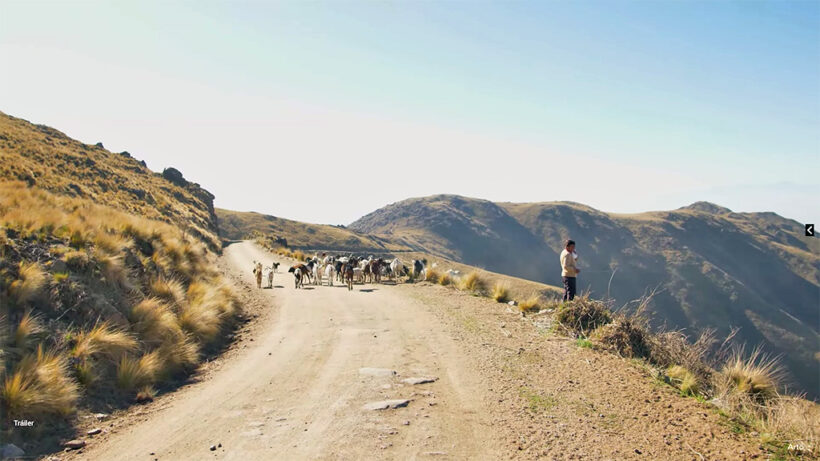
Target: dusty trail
296	391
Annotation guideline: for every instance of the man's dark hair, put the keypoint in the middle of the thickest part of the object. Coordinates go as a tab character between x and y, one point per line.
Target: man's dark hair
569	242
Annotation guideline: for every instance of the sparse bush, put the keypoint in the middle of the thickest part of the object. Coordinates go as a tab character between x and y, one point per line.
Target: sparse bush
501	293
472	282
627	336
39	386
29	284
582	315
530	304
673	348
792	419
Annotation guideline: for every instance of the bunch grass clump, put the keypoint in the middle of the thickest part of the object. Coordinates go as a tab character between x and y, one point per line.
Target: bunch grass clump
29	284
133	372
27	332
39	386
146	299
684	380
501	293
531	304
445	280
169	290
472	282
431	275
757	375
102	339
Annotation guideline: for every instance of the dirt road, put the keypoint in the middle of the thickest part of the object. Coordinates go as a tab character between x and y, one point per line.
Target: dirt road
298	390
295	386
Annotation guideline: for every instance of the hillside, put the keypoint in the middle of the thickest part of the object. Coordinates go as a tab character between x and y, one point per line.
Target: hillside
109	292
236	225
47	159
713	268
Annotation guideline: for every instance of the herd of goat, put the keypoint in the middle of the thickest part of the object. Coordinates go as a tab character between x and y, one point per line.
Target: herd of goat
346	269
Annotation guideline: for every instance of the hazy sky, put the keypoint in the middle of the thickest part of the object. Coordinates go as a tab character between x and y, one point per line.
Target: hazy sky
324	111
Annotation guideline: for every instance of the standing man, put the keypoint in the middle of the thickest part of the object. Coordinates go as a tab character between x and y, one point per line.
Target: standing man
569	270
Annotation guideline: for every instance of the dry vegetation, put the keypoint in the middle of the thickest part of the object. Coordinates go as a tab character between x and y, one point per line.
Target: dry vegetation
122	303
745	387
45	158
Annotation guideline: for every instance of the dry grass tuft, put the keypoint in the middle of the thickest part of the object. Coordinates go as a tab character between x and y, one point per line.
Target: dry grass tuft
134	372
501	293
103	339
530	304
27	332
111	243
30	283
178	356
172	291
472	282
114	270
684	380
432	276
155	323
39	386
757	376
445	280
792	420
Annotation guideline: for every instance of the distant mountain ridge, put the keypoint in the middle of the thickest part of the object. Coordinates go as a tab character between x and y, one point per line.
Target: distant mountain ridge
712	267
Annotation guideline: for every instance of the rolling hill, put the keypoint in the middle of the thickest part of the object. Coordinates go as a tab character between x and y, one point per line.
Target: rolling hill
236	225
712	268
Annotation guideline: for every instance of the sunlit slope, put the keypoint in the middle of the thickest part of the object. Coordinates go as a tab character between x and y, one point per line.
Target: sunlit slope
710	267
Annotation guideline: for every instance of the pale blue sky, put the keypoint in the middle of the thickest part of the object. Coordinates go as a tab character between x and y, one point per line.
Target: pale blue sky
272	106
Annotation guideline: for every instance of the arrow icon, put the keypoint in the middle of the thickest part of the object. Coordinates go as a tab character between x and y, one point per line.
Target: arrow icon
809	230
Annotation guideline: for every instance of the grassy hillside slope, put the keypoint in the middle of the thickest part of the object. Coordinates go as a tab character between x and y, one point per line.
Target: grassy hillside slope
108	286
235	225
714	268
47	159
